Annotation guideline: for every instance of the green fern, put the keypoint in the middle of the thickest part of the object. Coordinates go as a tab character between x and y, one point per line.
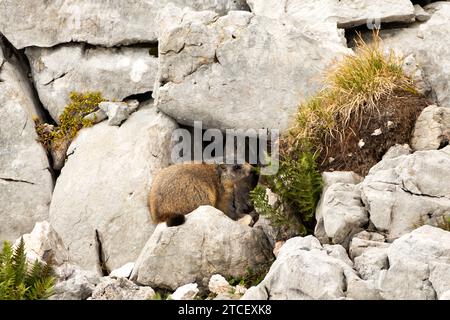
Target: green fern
19	281
298	183
275	214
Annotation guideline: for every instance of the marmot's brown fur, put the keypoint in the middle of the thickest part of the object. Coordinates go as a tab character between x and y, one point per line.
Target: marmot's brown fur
180	189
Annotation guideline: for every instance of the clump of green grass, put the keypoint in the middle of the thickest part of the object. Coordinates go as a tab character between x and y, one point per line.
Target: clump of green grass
352	89
19	280
71	120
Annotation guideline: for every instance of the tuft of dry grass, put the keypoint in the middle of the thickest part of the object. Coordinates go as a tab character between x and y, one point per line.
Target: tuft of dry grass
353	86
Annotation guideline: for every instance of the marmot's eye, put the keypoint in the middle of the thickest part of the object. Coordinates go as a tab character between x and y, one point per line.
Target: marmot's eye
237	167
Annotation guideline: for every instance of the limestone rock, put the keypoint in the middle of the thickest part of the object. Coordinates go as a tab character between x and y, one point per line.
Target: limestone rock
101	22
117	112
408	191
304	270
42	243
346	13
419	265
219	285
432	129
397	151
187	292
104	187
366	240
412	69
427	41
207	243
74	283
371	262
342	212
96	117
120	289
123	272
348	177
421	15
253	62
115	72
26	183
338	180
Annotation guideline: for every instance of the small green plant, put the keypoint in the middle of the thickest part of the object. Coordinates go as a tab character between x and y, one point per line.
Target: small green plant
298	183
260	201
71	120
444	224
19	280
252	277
162	296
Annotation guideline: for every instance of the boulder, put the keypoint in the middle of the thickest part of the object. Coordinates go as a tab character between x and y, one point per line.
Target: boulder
426	41
74	283
413	69
117	112
338	179
101	22
115	72
304	270
397	151
120	289
206	244
371	262
405	192
419	266
347	177
342	212
100	198
254	63
95	117
363	290
432	130
26	183
187	292
42	243
219	285
346	13
366	240
123	272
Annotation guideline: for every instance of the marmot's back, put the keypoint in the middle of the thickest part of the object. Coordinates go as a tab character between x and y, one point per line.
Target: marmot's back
180	189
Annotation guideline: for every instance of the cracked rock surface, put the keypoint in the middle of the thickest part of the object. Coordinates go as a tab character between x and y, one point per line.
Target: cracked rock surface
432	130
405	192
101	22
104	185
305	270
26	183
251	63
208	243
115	72
419	266
345	13
428	41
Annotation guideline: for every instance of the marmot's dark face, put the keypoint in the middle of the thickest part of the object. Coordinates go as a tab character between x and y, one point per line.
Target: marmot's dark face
245	180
